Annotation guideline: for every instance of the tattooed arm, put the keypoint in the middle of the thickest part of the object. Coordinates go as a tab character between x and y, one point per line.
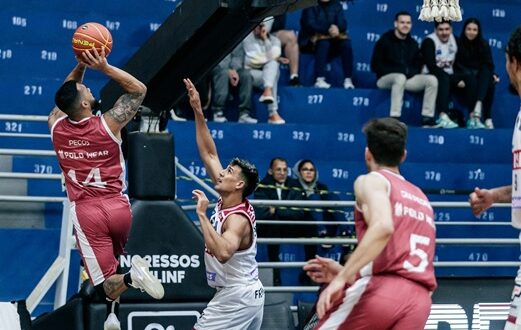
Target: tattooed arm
126	106
77	74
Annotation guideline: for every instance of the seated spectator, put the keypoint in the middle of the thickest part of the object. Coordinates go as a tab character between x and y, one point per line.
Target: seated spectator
324	32
397	63
230	73
262	57
475	65
276	185
439	52
288	39
306	173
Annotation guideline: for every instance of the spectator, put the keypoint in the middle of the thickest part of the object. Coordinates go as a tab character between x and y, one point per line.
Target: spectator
397	63
474	63
288	39
276	185
262	57
324	32
306	173
230	72
439	51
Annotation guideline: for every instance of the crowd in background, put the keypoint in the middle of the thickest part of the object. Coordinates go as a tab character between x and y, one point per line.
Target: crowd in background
444	67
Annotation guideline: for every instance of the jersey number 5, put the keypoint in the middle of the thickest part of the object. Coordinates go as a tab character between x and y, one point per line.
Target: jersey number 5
416	251
93	179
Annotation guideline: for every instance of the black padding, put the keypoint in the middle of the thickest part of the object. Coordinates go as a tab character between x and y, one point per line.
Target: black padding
151	166
69	316
23	313
163	234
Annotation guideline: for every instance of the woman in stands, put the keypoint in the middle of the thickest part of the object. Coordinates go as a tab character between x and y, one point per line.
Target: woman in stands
307	175
474	63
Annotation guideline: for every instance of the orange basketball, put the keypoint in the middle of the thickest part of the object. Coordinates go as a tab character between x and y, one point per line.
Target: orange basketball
91	35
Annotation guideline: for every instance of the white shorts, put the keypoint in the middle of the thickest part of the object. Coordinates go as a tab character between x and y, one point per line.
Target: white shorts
234	308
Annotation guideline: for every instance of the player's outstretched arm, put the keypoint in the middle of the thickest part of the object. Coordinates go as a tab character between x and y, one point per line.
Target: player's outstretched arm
372	197
127	105
481	199
205	143
224	246
76	74
322	270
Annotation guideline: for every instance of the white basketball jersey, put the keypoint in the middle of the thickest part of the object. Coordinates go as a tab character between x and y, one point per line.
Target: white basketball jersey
241	268
516	173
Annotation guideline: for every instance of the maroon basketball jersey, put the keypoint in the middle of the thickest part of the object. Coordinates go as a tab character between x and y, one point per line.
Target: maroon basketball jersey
410	251
90	158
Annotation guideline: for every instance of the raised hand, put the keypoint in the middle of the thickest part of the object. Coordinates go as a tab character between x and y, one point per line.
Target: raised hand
193	95
202	201
95	60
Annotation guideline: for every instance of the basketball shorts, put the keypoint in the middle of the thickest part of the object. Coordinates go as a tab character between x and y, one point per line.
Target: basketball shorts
101	228
234	308
380	302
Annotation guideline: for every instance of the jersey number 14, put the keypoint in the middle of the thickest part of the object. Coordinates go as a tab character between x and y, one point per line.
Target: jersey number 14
93	179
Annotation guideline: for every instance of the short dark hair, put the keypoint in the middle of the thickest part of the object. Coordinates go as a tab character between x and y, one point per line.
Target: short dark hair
402	13
273	160
249	174
386	138
67	97
436	23
514	45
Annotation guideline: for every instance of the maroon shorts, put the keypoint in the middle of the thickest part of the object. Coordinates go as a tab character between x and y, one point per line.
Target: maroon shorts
380	302
101	228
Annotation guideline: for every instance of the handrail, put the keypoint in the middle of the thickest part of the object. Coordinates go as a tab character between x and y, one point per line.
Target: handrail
448	241
43	199
350	223
300	264
24	117
26	135
27	152
26	175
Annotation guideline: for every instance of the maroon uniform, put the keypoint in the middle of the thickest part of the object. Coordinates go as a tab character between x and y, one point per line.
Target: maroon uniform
393	291
92	163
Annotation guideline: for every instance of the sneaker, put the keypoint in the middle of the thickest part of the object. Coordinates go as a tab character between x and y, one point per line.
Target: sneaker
219	118
428	122
175	117
321	83
144	280
445	122
247	119
474	123
295	82
489	124
276	119
111	323
348	83
266	99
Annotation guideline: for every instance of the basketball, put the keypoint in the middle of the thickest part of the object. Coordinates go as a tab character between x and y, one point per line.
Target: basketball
91	35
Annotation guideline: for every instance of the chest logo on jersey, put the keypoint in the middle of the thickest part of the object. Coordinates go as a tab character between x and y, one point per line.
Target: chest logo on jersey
79	143
404	210
83	155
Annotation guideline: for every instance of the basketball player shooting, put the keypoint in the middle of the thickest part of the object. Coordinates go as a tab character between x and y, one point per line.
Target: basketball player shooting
229	235
89	154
